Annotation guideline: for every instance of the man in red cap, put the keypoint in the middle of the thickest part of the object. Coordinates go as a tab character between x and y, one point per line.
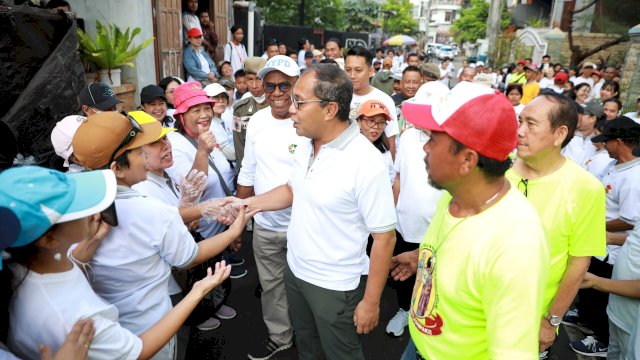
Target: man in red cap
485	246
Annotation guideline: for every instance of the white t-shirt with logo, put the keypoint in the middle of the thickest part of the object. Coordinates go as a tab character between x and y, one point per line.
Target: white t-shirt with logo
623	311
268	162
599	164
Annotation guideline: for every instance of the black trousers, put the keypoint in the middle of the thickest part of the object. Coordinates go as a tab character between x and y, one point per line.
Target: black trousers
592	304
404	289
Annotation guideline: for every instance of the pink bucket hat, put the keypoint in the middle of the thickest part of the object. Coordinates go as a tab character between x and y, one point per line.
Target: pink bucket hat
189	94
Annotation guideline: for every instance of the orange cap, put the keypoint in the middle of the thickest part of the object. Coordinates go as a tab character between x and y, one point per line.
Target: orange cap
372	108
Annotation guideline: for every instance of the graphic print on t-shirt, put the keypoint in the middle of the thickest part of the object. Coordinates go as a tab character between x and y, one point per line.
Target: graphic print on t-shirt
424	297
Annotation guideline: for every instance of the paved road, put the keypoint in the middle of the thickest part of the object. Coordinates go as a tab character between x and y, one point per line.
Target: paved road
246	332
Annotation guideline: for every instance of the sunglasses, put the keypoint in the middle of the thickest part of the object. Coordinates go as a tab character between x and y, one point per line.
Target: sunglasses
135	129
296	102
271	87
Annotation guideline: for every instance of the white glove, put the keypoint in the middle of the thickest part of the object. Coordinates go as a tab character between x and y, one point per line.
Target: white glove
191	187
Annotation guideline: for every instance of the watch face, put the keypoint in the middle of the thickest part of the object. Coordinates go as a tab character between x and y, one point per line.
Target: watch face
555	320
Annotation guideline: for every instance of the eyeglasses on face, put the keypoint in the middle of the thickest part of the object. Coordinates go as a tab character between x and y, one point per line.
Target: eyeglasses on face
296	102
372	123
271	87
135	129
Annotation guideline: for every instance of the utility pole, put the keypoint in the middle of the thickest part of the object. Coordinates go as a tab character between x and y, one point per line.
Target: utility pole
301	12
493	28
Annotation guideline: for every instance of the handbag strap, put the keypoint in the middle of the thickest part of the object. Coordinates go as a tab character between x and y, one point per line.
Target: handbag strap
223	183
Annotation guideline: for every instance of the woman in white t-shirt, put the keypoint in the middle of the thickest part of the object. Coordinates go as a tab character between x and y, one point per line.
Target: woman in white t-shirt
514	94
221	125
373	117
50	293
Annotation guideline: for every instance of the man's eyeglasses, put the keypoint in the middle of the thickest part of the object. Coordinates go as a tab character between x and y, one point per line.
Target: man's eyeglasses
523	185
296	102
271	87
135	129
373	124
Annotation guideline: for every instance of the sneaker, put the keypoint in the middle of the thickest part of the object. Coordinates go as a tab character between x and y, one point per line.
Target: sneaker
270	349
589	346
210	324
544	355
238	272
233	259
572	318
397	323
225	312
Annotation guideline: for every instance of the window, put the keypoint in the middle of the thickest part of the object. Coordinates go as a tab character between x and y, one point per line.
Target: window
448	16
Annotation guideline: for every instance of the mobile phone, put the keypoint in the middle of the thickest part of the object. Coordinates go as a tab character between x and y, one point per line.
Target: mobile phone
109	215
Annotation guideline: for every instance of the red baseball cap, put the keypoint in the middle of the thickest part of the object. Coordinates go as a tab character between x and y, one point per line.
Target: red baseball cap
194	32
561	77
522	62
477	116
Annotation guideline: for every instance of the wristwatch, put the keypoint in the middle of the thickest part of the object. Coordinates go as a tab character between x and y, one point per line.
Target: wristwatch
554	320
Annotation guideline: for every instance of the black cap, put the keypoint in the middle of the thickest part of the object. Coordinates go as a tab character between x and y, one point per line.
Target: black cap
308	54
619	128
98	95
150	93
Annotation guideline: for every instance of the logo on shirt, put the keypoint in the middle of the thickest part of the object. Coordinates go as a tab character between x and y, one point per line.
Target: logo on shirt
424	298
608	188
292	148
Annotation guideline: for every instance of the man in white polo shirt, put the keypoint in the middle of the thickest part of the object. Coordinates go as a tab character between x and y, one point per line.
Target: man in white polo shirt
270	146
339	192
359	69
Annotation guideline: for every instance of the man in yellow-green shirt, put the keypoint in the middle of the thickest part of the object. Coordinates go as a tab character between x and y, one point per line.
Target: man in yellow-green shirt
569	200
482	265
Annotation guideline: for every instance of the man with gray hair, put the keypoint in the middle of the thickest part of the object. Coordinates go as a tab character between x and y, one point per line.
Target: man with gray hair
340	192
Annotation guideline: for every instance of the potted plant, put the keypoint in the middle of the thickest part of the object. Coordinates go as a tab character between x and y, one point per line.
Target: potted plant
111	50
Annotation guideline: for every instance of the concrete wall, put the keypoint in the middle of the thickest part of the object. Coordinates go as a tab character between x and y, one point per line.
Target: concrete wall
630	82
124	13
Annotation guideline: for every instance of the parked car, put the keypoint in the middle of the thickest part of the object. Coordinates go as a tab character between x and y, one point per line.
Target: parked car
446	52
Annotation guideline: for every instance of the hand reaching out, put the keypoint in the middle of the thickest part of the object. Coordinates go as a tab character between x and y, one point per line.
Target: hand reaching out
212	280
404	265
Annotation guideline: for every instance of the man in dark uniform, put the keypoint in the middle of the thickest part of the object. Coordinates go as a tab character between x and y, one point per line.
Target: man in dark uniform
247	106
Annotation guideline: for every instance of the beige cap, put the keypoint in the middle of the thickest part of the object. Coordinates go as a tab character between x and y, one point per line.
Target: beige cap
253	64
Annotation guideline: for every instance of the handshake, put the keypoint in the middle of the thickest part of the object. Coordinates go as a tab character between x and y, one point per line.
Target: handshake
225	210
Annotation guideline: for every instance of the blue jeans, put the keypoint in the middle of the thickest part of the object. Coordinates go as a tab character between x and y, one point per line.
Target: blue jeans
410	351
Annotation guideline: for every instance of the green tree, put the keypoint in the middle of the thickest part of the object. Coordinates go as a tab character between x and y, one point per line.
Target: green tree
363	15
472	23
319	14
402	21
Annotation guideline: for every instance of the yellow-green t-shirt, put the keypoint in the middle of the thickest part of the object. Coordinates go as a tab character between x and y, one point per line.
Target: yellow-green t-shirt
480	283
571	205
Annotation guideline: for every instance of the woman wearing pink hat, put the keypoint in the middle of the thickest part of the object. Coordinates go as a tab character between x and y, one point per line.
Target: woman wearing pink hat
195	147
197	63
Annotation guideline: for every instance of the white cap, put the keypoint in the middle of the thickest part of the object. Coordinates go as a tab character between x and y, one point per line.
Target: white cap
215	89
282	63
480	63
431	92
62	135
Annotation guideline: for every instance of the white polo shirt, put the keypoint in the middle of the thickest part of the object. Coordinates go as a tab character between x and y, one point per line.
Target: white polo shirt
46	306
339	198
184	153
599	164
579	149
133	263
622	184
417	200
392	128
268	162
158	187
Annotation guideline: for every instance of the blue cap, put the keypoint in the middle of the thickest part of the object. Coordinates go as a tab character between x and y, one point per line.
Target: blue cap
41	197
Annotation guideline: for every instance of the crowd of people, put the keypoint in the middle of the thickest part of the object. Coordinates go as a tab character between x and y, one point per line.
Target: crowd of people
498	205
